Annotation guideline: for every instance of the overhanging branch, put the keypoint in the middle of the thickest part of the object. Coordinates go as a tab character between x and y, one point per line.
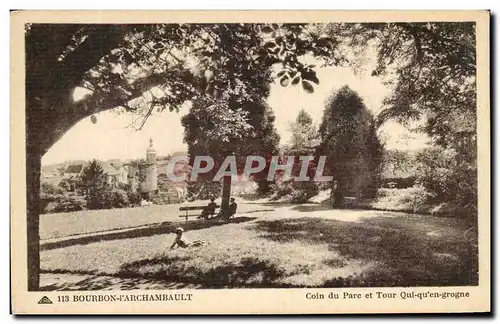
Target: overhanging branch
98	44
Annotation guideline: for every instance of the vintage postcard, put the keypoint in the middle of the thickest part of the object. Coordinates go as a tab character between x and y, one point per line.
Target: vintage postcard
250	162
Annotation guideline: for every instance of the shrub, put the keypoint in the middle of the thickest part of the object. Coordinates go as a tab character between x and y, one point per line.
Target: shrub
449	176
69	204
123	186
134	198
50	189
49	201
280	190
294	192
115	198
203	190
264	187
415	199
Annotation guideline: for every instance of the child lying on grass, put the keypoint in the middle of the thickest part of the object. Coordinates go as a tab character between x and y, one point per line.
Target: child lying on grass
182	242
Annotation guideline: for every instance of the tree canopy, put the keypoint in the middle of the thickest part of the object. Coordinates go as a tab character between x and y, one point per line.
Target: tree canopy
431	70
120	65
305	135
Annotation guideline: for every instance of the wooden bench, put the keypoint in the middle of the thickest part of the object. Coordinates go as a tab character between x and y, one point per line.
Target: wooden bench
189	208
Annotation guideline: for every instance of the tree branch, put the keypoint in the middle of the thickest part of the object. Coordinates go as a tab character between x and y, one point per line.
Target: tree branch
69	72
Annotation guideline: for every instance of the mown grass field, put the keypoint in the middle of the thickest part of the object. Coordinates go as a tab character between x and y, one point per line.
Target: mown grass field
270	245
91	221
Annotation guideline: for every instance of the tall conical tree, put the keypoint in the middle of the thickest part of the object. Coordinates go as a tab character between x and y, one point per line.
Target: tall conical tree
350	142
94	184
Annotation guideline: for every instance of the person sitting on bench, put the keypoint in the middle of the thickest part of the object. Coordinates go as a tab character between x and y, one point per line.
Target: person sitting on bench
232	208
182	242
230	211
209	210
227	213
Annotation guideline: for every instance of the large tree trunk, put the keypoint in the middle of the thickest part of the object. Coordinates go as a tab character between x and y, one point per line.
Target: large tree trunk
42	130
33	165
226	192
50	110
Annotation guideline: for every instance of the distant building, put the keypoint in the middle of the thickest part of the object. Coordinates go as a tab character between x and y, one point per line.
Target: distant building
149	177
70	175
120	170
55	170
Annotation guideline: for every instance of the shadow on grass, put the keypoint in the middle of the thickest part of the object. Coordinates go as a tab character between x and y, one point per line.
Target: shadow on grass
170	273
256	211
92	281
251	196
156	229
249	272
272	204
408	251
312	208
350	205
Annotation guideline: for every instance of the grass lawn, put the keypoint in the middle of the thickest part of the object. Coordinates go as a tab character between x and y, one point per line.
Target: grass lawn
278	246
91	221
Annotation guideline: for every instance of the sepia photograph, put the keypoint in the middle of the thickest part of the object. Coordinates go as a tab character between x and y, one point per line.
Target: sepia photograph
197	155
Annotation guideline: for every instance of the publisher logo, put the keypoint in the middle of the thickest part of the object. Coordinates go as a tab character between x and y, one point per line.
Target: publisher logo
45	300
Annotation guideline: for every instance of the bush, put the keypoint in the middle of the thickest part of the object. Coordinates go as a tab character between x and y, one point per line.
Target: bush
264	187
69	204
50	189
294	192
416	199
449	176
123	186
134	198
203	190
280	190
115	198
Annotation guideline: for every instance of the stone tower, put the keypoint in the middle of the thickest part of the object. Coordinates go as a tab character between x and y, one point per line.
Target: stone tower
151	182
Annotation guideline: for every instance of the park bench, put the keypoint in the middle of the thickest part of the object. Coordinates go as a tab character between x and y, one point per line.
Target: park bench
187	209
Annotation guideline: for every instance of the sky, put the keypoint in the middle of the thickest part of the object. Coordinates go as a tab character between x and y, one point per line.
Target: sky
110	138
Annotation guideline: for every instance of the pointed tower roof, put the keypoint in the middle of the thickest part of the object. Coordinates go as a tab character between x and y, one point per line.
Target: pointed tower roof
150	148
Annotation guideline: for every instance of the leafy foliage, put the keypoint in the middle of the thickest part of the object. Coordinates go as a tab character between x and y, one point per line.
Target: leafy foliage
69	203
151	68
134	198
206	134
94	185
414	199
204	189
297	192
431	68
304	141
115	198
50	189
305	135
286	44
350	143
448	177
